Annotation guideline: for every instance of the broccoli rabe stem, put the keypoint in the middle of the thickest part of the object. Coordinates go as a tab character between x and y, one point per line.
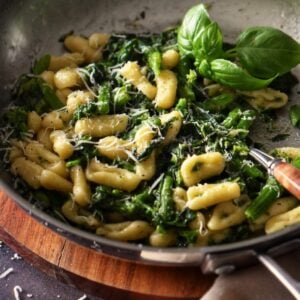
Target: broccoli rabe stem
154	61
104	99
165	197
267	195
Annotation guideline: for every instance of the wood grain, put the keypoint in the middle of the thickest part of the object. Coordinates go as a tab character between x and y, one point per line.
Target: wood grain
91	271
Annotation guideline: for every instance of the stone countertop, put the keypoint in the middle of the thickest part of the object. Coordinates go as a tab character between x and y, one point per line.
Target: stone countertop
34	283
252	283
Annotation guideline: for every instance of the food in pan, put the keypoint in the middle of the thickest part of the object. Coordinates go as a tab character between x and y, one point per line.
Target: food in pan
145	138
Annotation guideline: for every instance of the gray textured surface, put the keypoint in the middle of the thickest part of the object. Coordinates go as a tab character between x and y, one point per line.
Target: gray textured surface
34	283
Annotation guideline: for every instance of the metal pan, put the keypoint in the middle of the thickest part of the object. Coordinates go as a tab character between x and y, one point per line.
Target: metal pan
30	28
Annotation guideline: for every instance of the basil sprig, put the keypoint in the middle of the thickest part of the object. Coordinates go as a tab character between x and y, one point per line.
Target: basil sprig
266	52
261	53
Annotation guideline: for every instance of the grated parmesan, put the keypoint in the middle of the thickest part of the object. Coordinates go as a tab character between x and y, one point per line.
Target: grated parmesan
6	273
17	290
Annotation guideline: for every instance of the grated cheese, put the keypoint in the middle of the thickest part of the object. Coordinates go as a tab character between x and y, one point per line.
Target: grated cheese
17	290
6	273
16	257
156	182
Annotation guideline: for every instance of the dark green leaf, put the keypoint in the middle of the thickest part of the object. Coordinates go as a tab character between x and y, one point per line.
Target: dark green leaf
154	61
266	52
50	98
295	115
218	103
41	65
209	44
229	74
193	24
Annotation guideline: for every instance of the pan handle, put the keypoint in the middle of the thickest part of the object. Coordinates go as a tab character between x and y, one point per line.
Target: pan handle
289	282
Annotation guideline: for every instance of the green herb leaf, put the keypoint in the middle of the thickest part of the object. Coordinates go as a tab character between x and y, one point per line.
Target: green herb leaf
104	98
266	52
50	98
230	74
41	65
193	24
218	103
295	115
209	44
154	61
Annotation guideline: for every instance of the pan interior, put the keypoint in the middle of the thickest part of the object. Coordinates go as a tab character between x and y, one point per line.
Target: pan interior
31	28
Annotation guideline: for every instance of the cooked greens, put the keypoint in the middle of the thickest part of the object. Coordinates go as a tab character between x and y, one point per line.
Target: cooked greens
122	159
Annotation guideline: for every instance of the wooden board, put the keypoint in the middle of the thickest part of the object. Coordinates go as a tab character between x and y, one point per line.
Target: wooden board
94	272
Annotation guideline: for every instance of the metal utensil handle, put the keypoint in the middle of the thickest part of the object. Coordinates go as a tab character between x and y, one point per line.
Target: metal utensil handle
289	282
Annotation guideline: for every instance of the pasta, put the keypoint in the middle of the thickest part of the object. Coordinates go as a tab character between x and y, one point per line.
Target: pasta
199	167
136	138
28	170
265	99
131	72
225	215
66	78
112	176
114	148
61	144
163	239
34	121
77	215
71	60
205	195
81	188
126	231
170	59
175	121
102	126
166	89
53	181
283	220
81	45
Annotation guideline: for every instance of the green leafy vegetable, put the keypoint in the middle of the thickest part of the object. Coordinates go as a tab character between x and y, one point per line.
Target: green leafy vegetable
268	194
104	98
41	65
263	52
209	45
231	75
16	117
50	97
36	95
295	115
193	25
267	52
218	103
154	61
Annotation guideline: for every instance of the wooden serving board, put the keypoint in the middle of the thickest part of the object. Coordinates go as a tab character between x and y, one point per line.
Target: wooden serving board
94	272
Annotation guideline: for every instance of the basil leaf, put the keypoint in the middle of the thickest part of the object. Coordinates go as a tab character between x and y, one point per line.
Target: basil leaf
295	115
266	52
193	24
209	45
41	65
229	74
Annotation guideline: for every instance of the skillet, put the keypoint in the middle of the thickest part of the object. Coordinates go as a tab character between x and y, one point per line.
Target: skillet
31	28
